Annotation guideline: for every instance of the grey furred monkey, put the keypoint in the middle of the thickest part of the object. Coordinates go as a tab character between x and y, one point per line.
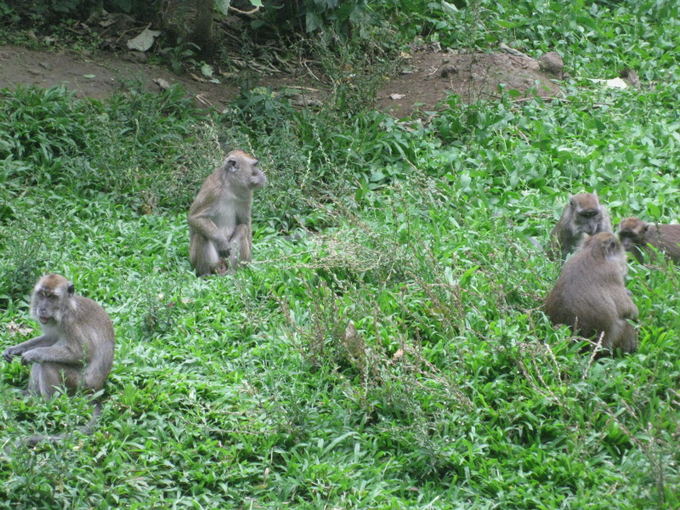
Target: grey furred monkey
220	217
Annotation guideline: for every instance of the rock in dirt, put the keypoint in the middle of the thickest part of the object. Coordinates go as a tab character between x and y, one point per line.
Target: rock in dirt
551	63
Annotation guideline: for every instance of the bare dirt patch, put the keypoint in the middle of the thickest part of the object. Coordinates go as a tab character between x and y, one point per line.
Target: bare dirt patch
98	76
428	78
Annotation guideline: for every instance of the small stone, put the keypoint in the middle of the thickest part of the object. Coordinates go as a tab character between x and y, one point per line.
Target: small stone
631	77
552	63
448	70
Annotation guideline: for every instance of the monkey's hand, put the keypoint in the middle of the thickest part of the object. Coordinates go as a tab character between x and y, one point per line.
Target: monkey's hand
10	353
31	356
223	247
632	312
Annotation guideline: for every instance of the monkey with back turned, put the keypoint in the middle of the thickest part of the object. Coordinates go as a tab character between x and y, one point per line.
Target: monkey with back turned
590	295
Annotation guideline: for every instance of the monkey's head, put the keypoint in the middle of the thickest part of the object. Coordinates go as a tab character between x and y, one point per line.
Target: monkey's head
586	212
243	170
632	232
605	246
51	296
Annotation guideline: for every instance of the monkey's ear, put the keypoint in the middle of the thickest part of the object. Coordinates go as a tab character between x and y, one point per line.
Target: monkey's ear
70	289
231	165
612	245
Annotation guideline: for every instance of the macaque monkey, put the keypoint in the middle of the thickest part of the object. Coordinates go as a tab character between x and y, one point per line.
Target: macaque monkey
220	216
636	234
76	347
582	215
590	295
75	350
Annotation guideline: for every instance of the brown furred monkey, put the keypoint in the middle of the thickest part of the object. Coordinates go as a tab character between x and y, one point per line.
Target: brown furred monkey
76	347
636	235
220	216
75	350
590	295
583	214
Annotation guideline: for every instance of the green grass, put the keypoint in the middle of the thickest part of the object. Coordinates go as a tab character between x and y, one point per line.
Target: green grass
243	391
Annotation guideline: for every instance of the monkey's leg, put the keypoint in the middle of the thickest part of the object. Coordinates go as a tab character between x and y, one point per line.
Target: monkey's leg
47	377
246	244
628	338
620	336
239	246
35	378
205	258
44	380
213	261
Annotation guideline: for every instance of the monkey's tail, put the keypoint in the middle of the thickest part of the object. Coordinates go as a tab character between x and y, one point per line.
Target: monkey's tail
86	430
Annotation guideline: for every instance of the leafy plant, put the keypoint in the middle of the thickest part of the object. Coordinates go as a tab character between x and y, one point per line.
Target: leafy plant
385	348
314	15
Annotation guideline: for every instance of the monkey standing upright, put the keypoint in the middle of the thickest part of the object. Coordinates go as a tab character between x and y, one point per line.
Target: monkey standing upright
636	235
77	344
590	295
583	214
220	216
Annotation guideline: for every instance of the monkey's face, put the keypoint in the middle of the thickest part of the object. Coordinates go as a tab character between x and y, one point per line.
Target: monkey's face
632	232
587	220
50	295
257	177
244	170
628	240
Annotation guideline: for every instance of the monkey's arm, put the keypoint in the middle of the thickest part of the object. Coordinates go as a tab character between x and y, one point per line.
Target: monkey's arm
67	353
202	222
17	350
629	310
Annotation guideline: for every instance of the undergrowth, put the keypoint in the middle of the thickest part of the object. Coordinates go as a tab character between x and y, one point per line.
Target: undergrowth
385	349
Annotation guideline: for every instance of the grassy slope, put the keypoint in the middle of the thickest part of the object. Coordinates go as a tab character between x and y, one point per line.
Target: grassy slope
242	391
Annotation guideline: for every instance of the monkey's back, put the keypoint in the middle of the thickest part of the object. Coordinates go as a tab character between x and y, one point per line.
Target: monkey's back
212	182
584	301
91	326
666	238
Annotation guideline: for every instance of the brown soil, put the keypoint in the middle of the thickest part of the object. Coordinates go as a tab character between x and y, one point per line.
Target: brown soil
428	77
97	76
